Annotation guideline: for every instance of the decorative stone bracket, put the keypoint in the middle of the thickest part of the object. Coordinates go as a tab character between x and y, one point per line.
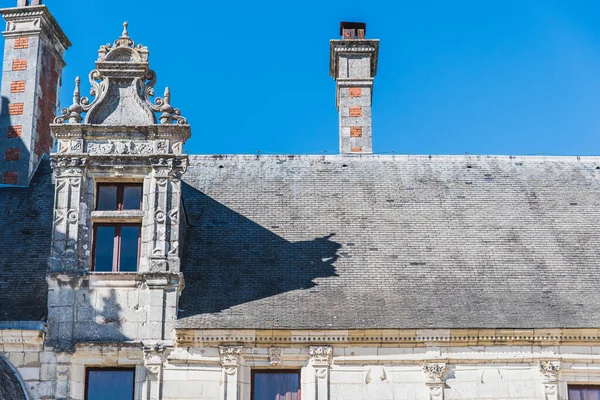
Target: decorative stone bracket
230	357
275	355
435	379
550	371
320	359
154	357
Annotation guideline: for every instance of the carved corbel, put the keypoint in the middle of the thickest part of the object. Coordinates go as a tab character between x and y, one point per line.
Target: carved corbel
550	371
68	166
230	358
435	379
154	357
275	355
320	359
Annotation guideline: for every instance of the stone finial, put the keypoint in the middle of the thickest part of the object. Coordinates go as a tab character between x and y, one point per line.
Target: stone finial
26	3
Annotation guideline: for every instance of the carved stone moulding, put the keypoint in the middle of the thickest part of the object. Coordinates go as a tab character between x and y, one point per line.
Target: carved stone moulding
230	357
434	372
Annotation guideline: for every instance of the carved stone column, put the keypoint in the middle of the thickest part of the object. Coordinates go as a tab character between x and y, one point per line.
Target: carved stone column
320	360
69	219
154	357
230	359
550	371
435	379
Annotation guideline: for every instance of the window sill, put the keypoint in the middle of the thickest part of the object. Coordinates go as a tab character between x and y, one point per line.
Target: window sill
118	216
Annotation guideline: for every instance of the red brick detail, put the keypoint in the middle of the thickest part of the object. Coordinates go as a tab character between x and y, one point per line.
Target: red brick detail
14	131
355	92
19	65
10	177
17	86
22	43
15	109
355	111
356	149
12	154
356	131
46	102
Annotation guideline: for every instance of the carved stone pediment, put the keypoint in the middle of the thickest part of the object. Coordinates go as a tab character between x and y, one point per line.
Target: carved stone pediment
122	88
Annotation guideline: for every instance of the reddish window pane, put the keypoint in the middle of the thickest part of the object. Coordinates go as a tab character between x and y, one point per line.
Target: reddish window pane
107	197
110	384
104	246
129	248
276	386
132	197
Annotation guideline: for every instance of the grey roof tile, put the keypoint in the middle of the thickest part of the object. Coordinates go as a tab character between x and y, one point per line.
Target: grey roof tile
391	242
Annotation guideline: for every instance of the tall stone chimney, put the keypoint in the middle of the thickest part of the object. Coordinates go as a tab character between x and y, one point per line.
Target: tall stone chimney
31	78
353	65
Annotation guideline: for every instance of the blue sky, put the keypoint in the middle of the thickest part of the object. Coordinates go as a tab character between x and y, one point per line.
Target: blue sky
484	77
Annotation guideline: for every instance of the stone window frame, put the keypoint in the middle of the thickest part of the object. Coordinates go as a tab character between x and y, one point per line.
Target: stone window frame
100	368
580	386
117	218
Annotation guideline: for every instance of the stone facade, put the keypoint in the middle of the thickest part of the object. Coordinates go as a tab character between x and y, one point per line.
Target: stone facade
377	278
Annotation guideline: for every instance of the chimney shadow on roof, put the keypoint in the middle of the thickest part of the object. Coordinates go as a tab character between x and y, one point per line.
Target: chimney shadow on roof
230	260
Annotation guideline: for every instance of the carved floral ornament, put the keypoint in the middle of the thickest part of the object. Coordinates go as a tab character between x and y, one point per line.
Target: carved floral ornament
434	372
122	75
549	370
275	355
154	357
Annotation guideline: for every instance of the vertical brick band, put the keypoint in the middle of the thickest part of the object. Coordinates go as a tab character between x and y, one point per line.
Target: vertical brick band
17	87
355	111
355	92
10	177
12	154
19	65
356	131
22	43
14	131
15	109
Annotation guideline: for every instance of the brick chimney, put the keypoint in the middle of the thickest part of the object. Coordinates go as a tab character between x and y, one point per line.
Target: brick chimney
31	78
353	65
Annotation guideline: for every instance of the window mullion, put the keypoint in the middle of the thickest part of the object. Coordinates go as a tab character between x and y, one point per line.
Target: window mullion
117	248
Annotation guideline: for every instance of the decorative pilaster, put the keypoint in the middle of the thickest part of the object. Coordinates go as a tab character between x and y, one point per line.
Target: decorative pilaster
435	379
63	372
550	371
66	254
164	210
320	359
230	360
154	358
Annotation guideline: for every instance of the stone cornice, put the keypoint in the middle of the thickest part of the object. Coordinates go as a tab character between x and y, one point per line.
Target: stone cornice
369	46
113	280
23	13
89	131
388	337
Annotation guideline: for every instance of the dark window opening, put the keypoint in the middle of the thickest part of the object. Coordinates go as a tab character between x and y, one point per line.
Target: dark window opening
116	247
275	385
584	392
109	383
119	196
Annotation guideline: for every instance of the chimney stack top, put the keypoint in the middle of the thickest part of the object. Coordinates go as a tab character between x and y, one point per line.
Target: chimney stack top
353	30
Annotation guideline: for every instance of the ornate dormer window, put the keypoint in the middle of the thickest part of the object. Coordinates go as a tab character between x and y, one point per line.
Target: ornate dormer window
118	169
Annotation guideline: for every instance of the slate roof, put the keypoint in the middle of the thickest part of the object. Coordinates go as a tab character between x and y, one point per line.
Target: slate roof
316	242
312	242
10	388
25	237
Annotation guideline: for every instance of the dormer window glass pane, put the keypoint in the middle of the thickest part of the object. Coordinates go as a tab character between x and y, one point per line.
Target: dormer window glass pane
119	196
132	197
105	248
130	236
107	197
